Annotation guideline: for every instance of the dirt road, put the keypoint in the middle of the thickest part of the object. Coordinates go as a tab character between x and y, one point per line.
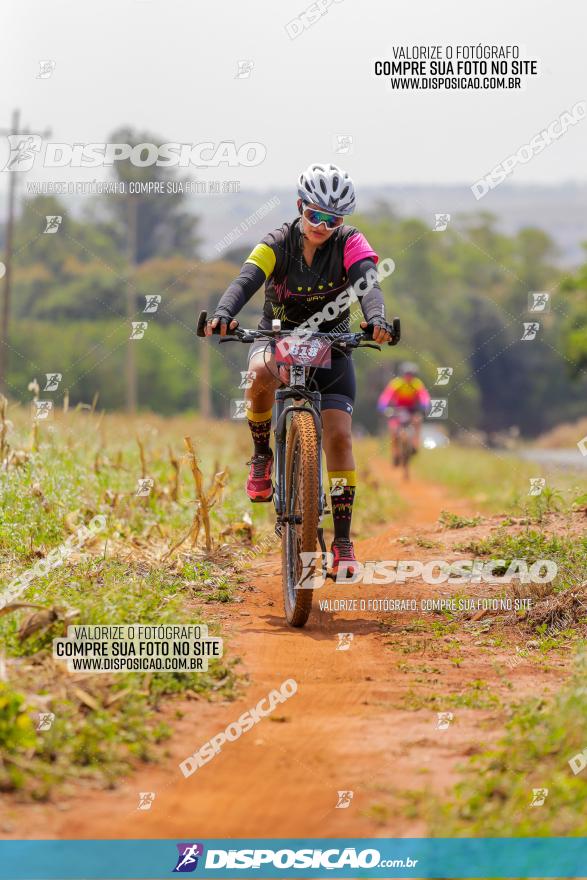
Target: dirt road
353	725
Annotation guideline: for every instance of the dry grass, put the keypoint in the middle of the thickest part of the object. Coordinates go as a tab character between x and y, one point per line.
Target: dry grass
564	436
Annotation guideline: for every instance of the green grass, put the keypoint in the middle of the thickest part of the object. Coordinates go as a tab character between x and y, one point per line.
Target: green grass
493	798
102	722
475	695
454	521
497	481
569	552
105	722
379	814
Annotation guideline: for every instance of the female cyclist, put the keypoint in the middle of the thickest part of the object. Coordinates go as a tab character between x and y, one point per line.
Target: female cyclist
304	265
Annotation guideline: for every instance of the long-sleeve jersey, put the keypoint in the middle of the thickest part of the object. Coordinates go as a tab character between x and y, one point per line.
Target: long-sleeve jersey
411	394
295	291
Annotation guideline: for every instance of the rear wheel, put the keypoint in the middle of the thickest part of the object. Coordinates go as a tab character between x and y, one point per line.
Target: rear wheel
302	494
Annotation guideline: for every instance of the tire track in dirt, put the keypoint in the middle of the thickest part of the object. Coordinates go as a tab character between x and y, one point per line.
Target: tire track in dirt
348	727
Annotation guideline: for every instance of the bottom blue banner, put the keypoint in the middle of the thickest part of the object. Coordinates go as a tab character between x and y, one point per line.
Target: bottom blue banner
359	857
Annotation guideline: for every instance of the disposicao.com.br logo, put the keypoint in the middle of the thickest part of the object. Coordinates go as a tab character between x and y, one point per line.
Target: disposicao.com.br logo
302	859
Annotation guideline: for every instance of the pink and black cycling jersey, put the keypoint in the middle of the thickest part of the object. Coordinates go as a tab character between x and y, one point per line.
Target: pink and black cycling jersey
295	291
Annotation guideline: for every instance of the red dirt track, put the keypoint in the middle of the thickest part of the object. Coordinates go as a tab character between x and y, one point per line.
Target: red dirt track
346	728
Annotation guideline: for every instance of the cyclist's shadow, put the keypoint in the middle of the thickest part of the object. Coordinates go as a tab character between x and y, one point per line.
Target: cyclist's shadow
322	625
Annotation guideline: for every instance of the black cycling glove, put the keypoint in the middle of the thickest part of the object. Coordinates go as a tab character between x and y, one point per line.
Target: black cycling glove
223	318
385	325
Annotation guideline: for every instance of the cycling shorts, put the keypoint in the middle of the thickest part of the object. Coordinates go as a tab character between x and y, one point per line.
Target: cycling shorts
336	384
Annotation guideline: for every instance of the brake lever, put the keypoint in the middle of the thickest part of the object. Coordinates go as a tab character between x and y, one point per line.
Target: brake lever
369	345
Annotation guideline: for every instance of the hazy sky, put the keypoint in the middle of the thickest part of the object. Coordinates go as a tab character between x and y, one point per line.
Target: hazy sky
169	67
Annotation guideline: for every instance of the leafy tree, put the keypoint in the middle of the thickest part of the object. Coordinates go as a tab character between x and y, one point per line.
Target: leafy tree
75	239
575	326
462	296
165	226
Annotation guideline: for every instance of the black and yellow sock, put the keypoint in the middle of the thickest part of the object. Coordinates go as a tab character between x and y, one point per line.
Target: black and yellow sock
342	495
260	425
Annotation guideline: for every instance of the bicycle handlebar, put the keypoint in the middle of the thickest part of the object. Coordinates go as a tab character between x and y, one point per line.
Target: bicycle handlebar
350	340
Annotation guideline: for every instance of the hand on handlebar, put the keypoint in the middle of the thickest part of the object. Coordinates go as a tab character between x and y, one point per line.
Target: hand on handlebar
380	332
213	323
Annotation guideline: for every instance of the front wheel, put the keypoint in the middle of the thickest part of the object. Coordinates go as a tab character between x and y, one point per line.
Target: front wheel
405	451
301	504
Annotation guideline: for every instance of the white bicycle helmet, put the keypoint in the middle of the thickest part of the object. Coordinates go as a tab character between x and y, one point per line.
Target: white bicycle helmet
328	187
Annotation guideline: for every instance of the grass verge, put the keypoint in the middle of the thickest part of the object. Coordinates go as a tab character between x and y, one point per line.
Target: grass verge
494	798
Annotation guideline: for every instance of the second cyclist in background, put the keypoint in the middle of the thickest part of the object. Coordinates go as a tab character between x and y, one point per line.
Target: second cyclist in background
405	398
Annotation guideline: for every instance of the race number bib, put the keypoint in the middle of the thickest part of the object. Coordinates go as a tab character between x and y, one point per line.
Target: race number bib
303	352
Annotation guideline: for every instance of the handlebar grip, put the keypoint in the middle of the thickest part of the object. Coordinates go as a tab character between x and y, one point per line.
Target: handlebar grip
397	331
203	320
201	324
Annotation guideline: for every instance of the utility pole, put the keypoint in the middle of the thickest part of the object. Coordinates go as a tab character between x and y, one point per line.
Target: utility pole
131	366
12	179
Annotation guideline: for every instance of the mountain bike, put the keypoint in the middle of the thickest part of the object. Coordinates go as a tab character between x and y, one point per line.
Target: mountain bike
298	496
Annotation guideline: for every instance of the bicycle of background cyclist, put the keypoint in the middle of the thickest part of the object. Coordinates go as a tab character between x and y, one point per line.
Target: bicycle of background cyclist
404	402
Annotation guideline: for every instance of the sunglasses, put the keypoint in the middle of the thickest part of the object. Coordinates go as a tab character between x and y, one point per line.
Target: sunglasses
317	218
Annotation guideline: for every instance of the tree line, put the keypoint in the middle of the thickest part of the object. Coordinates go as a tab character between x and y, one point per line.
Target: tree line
462	295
